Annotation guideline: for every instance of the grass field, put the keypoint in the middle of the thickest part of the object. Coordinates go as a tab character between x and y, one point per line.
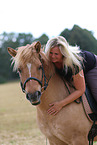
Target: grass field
18	118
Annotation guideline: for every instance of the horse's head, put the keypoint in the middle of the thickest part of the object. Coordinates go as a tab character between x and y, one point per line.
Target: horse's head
29	61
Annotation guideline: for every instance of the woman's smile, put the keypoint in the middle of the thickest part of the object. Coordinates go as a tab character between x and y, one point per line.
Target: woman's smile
55	55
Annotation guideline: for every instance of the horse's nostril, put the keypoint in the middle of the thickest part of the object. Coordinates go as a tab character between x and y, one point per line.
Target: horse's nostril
27	96
38	93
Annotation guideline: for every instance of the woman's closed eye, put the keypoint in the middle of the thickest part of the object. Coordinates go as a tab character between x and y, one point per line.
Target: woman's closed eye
56	53
51	53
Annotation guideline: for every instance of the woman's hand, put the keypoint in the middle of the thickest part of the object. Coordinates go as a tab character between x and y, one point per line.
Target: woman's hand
54	108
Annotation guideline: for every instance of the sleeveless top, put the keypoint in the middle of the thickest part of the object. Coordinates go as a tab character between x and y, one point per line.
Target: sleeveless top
89	62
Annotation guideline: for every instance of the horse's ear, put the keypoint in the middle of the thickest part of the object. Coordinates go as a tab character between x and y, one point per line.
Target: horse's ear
12	52
38	46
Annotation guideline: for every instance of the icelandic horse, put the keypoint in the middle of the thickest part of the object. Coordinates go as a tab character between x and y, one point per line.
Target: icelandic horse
42	86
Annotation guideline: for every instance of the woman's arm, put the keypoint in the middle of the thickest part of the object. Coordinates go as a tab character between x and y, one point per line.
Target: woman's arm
79	84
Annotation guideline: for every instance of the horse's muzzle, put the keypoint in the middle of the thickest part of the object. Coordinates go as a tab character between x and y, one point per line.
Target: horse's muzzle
34	98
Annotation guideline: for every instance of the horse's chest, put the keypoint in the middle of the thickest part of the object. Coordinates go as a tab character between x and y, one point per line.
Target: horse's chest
45	125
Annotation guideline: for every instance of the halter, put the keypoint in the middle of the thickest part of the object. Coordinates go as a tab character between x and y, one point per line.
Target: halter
46	81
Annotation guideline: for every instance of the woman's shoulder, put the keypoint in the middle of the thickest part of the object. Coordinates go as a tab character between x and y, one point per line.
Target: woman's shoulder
89	60
87	55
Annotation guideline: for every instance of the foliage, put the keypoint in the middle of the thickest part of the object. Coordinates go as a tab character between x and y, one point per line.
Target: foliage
75	36
81	37
43	39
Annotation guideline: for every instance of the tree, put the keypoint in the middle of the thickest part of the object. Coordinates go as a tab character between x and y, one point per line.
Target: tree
81	37
24	39
13	40
43	39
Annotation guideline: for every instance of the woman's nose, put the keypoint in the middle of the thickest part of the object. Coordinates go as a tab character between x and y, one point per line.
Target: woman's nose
53	55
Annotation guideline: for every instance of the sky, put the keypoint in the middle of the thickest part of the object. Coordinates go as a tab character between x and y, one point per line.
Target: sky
47	16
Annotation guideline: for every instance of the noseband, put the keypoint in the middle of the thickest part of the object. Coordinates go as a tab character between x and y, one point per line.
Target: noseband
40	82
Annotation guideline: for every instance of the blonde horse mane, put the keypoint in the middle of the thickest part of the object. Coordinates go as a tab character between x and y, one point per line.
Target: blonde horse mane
28	53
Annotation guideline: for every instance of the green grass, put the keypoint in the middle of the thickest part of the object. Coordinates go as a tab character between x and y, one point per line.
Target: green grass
17	118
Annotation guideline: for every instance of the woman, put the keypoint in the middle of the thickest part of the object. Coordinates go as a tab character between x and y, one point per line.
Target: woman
74	66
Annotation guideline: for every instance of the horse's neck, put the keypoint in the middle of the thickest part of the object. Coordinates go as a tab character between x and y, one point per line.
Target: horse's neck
49	69
56	89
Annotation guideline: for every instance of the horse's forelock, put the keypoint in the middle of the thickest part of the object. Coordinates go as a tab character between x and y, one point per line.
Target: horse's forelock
24	54
28	53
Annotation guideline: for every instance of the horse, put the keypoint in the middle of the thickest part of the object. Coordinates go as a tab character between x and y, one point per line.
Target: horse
42	86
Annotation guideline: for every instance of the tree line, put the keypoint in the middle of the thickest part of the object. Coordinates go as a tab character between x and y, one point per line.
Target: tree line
76	36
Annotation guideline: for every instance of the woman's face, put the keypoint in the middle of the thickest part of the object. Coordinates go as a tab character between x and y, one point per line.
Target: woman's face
55	55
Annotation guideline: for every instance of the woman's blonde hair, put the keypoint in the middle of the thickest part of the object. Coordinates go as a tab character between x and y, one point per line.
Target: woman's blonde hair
70	53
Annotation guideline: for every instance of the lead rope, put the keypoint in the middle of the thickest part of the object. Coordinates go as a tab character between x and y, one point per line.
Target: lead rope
46	140
92	133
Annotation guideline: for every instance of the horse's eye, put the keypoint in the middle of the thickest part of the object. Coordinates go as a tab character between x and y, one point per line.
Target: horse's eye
40	67
19	70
